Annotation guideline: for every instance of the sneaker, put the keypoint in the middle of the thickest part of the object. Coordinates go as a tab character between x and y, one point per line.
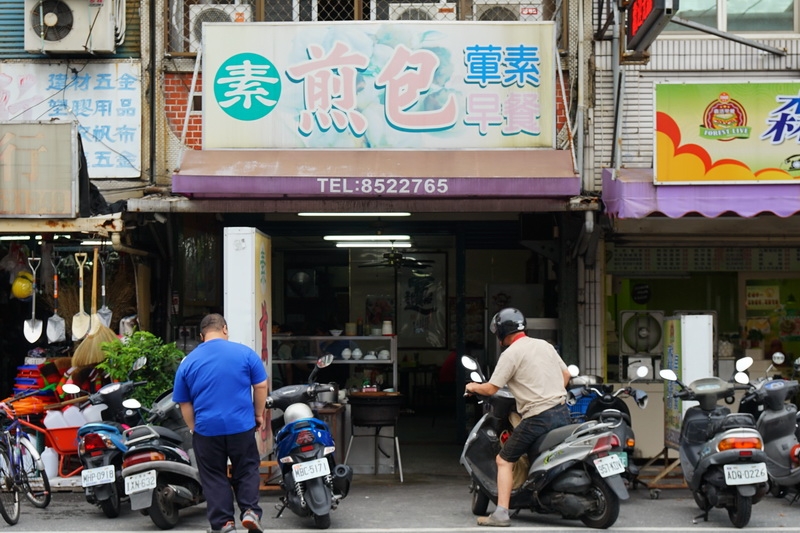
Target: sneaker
229	527
250	520
492	521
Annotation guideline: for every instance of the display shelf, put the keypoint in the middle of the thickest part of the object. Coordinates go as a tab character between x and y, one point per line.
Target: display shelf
364	342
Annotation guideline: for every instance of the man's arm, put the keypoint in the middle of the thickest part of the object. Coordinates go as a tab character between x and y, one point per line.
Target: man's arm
567	376
187	410
259	402
484	389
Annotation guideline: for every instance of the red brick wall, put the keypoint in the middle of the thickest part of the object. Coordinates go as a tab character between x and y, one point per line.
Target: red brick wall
176	96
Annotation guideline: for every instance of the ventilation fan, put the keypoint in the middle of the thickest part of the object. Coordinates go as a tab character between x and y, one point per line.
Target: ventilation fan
397	260
52	20
641	332
200	14
302	283
492	10
422	11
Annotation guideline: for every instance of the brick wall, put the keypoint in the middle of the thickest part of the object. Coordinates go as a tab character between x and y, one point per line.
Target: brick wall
176	94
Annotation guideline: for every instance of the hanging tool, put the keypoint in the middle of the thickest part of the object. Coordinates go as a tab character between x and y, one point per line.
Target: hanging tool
33	327
55	324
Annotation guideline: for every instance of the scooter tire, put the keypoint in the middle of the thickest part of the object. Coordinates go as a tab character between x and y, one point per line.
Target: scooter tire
740	512
322	521
111	507
163	513
480	502
607	510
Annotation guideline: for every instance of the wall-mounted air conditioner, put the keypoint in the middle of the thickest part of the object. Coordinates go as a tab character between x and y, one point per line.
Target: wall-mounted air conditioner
641	332
422	11
200	14
70	26
491	10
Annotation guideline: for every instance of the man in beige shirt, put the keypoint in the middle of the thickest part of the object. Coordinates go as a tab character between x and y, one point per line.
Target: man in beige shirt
537	377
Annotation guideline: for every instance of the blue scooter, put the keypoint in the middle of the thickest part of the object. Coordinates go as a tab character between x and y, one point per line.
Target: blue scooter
312	482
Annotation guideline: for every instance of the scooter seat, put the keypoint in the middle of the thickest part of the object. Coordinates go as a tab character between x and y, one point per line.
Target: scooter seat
552	438
147	431
611	413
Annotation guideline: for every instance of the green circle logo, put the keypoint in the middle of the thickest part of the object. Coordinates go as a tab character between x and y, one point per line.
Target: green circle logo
247	86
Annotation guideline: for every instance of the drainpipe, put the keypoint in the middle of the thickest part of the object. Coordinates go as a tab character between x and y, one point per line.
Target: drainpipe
116	243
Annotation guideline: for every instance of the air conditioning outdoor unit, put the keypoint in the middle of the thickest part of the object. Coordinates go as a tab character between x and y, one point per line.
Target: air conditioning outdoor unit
421	11
70	26
641	332
492	11
200	14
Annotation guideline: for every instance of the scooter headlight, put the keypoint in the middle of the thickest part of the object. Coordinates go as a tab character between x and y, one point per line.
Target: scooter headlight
740	443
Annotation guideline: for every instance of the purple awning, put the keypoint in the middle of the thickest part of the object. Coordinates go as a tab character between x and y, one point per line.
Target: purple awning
631	194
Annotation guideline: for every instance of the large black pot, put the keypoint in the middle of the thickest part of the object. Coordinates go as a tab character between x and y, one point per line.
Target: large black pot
375	409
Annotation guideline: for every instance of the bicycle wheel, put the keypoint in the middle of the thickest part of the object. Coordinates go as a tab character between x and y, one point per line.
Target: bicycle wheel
33	481
9	493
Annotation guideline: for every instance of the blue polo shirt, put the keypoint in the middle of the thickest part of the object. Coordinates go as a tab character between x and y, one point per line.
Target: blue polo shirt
216	377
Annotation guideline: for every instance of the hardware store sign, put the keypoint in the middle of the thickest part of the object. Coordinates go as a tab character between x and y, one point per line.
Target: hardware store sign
377	85
727	133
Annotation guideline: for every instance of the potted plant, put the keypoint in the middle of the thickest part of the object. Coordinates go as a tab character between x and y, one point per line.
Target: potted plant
159	371
755	337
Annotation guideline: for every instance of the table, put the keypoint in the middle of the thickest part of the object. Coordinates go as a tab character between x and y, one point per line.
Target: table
333	415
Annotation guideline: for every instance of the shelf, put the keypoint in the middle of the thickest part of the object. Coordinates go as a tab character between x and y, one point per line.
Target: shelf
337	361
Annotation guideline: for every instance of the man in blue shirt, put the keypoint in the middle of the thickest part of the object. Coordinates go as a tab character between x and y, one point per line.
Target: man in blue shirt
213	388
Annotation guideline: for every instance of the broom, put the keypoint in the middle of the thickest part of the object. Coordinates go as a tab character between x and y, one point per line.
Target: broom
90	351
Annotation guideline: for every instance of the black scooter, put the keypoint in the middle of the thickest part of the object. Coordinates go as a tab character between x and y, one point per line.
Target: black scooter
571	471
607	405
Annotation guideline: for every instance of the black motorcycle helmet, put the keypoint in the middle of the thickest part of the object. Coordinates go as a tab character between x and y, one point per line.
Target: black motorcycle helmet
506	322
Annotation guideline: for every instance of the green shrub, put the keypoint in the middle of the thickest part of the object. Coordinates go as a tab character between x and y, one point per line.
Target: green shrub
159	372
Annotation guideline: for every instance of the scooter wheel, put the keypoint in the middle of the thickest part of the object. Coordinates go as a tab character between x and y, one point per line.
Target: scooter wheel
739	513
163	512
322	521
480	502
112	506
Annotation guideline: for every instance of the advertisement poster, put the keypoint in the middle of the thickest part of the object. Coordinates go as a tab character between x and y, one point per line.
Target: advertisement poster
672	406
377	85
727	133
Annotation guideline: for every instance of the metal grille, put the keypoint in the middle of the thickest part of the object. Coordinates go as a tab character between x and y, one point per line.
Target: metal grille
186	18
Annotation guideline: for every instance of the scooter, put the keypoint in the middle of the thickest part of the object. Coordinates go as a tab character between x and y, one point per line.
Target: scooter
721	453
101	445
572	472
312	482
607	405
159	467
776	420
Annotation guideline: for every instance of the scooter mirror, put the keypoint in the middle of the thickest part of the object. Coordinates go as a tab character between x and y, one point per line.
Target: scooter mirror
476	377
468	363
131	403
71	388
741	378
139	363
640	397
574	371
744	363
668	374
778	358
325	360
642	371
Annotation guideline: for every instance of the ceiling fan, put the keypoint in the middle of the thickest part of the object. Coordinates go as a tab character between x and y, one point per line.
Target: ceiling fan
395	259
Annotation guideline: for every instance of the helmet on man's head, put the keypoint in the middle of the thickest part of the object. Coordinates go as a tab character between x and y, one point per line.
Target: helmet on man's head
506	322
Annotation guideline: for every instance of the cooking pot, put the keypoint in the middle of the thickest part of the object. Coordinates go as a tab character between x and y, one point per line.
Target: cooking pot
329	397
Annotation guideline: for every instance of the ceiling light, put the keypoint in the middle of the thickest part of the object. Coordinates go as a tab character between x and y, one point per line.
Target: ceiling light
353	238
92	243
394	214
364	244
15	237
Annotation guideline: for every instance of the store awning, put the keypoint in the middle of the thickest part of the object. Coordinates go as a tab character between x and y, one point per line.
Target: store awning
387	174
630	193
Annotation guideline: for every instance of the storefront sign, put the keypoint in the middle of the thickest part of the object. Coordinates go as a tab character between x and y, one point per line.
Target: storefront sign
375	85
103	98
38	170
727	133
646	19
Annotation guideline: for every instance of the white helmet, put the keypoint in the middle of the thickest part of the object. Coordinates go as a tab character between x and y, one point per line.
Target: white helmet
296	411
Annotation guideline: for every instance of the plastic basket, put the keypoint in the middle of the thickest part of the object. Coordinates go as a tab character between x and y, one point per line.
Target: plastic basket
63	440
578	410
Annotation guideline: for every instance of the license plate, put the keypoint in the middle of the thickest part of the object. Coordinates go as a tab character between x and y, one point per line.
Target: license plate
608	465
623	457
140	482
97	476
311	469
745	474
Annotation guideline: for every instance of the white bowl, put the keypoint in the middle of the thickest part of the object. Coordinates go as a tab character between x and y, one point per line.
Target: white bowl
357	353
384	354
370	356
346	353
335	332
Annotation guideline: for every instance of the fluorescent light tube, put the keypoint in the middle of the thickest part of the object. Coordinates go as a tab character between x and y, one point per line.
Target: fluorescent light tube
353	238
364	244
393	214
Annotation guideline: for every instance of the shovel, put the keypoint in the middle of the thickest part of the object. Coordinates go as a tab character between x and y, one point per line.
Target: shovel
55	324
33	327
104	312
80	320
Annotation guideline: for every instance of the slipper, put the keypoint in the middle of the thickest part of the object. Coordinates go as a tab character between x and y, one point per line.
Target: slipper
492	521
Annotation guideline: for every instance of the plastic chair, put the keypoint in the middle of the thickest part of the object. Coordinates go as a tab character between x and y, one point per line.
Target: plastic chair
376	411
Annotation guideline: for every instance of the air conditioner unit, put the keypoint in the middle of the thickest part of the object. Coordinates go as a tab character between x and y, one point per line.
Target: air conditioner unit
422	11
70	26
492	11
641	332
209	13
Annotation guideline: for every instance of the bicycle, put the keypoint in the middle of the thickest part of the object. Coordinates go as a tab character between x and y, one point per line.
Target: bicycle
21	469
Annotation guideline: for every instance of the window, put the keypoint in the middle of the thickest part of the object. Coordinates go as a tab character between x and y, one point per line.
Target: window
738	15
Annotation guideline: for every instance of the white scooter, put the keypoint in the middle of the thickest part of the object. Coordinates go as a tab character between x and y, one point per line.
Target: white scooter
571	472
